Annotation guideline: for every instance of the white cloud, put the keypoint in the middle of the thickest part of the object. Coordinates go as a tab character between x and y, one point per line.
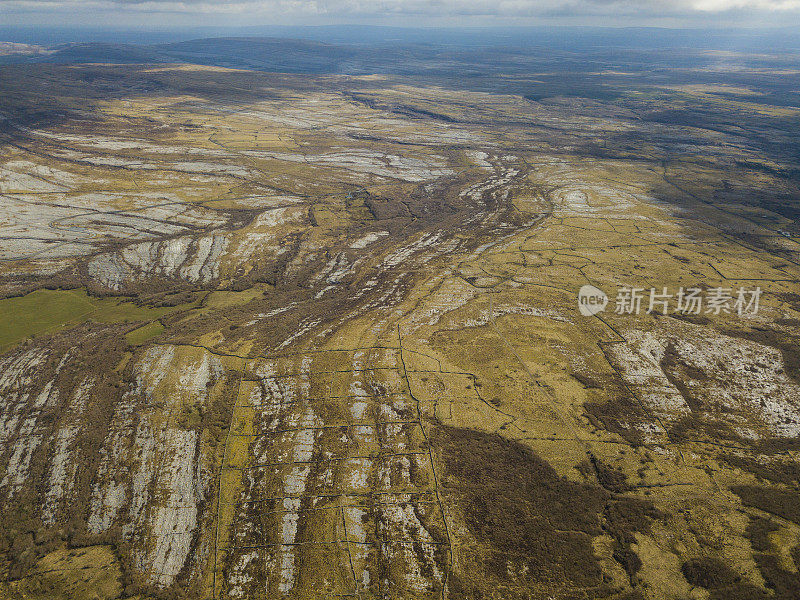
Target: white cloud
440	7
766	5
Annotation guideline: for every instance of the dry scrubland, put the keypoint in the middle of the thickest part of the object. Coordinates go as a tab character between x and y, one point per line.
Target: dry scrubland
317	337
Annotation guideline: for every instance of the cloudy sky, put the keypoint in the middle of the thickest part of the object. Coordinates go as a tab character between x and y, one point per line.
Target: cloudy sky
166	13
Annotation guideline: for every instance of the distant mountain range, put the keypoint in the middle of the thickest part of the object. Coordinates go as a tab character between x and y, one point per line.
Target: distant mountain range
567	38
465	53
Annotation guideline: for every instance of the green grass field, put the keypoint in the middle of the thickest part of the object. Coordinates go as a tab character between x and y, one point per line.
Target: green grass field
45	311
144	333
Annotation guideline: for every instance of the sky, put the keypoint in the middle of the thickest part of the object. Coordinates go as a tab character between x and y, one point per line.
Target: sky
470	13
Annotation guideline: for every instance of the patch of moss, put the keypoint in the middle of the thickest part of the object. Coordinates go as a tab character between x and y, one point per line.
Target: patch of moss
516	504
709	573
787	473
784	584
783	503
